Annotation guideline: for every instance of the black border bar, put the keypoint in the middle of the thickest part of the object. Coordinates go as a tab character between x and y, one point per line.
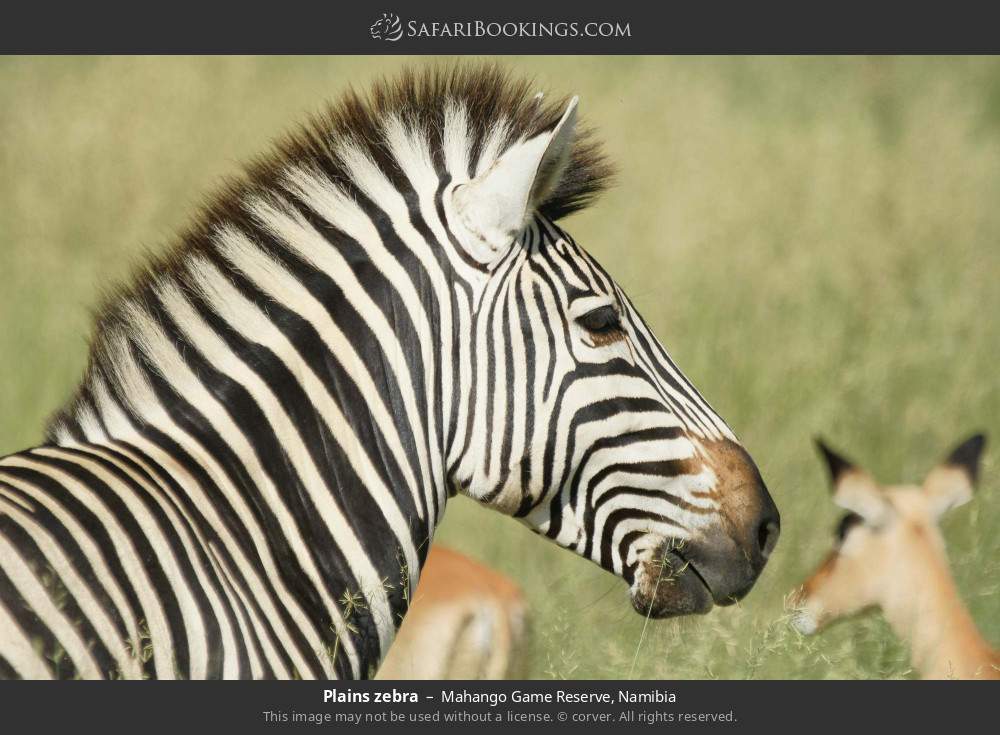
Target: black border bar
745	706
507	27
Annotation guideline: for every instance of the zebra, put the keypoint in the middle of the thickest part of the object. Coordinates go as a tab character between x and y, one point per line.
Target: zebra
380	314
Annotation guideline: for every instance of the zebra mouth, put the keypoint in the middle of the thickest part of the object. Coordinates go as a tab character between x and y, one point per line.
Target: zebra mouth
671	587
688	567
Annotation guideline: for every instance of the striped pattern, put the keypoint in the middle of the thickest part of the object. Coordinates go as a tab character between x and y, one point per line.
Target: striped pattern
274	416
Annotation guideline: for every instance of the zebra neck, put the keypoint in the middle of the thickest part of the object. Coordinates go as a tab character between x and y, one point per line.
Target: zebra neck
291	394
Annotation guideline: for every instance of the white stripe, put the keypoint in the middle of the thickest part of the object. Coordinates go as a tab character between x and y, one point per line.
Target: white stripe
119	426
455	140
331	204
463	311
128	555
17	649
42	607
194	625
374	183
94	557
239	604
78	588
205	340
285	289
230	664
175	371
643	525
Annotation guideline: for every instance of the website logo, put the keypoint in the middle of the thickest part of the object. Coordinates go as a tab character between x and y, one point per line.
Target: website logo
387	28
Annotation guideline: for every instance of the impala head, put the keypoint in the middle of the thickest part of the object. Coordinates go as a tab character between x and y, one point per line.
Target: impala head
577	420
887	539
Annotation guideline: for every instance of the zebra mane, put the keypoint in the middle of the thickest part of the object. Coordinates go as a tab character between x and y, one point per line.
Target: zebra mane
491	99
495	104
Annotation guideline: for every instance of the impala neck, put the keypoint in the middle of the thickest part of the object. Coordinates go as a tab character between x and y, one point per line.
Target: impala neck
926	610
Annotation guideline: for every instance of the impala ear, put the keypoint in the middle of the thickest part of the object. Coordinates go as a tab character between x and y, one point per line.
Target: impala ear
495	205
951	483
853	488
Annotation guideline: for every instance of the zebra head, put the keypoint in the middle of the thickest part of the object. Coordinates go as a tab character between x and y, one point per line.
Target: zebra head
578	421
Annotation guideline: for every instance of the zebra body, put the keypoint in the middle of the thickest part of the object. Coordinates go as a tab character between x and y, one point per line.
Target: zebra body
382	314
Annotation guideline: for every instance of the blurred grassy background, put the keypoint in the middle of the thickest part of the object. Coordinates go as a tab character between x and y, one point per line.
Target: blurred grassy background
817	241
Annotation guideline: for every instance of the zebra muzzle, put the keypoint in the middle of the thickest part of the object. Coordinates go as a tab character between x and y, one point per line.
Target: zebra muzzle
669	585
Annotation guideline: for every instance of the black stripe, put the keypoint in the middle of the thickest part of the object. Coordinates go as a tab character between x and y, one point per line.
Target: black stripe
201	533
484	322
394	308
598	411
98	535
195	424
241	537
7	672
181	552
74	553
342	483
55	587
329	370
230	520
628	570
617	517
670	468
355	327
530	357
345	487
147	556
43	640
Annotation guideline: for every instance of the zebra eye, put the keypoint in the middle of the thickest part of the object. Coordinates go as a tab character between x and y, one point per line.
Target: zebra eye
603	323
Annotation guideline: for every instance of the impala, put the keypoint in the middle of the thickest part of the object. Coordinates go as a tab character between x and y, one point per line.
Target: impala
466	622
889	554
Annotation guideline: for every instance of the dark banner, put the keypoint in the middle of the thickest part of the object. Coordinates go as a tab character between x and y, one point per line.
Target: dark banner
449	27
689	706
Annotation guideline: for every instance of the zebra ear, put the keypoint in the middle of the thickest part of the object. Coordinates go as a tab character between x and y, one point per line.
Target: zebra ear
495	206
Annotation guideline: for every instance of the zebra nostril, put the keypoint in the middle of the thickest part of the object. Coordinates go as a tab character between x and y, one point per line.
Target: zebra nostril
767	536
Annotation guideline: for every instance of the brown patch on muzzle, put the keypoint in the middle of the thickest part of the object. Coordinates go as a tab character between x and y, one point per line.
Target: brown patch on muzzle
730	555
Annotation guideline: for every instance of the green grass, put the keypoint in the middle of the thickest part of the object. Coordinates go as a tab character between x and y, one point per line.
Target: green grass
817	241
